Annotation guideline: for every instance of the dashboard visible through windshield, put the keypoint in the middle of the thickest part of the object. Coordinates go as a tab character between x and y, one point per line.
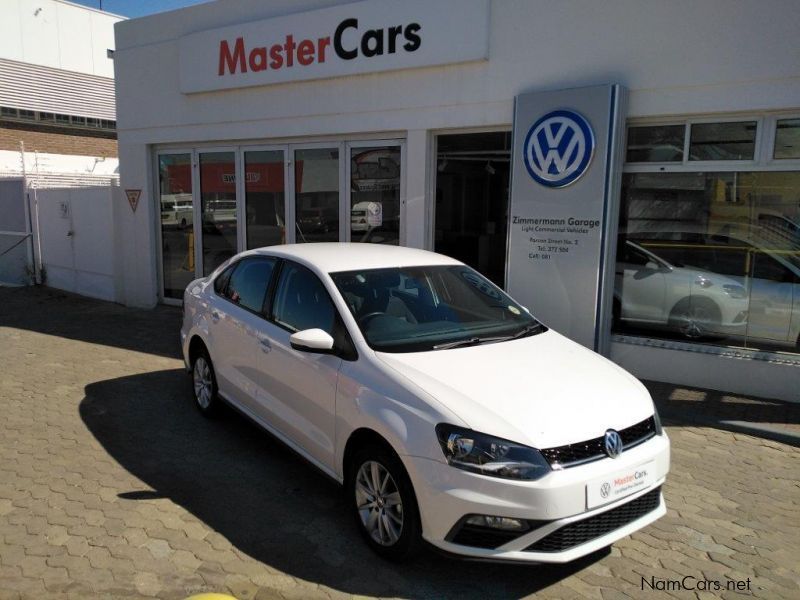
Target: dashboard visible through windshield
414	309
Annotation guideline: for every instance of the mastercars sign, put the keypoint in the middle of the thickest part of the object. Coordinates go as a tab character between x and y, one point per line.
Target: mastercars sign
362	37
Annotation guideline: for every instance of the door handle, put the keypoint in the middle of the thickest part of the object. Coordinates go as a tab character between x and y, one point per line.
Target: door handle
214	316
265	345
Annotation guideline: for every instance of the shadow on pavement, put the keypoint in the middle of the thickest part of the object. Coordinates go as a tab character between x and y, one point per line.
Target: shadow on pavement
53	312
769	419
266	500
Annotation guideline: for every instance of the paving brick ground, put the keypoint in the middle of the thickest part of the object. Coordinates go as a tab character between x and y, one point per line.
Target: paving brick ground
111	485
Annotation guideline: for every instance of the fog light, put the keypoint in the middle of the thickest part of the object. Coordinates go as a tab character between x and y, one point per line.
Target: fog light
504	523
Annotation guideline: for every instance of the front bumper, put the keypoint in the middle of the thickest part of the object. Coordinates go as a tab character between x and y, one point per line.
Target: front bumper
446	495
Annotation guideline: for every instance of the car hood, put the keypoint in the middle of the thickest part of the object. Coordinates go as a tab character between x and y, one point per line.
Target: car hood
542	390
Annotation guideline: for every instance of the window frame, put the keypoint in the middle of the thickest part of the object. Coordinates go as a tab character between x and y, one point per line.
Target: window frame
763	156
344	347
763	161
274	292
774	136
230	269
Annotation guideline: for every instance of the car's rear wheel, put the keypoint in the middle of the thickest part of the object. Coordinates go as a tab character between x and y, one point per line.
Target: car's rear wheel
384	504
204	384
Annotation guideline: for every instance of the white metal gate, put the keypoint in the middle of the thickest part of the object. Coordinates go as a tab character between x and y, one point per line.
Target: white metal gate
16	252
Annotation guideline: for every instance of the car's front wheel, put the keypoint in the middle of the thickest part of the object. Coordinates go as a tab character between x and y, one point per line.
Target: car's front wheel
695	318
204	384
384	504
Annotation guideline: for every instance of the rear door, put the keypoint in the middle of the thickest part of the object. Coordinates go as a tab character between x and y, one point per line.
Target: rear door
238	340
640	284
771	290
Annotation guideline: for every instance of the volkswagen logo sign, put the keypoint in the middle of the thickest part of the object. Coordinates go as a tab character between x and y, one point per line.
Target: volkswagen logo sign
613	443
605	490
558	148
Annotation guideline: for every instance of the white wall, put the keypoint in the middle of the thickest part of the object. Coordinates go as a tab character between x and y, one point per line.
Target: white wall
11	161
677	58
58	34
79	250
681	57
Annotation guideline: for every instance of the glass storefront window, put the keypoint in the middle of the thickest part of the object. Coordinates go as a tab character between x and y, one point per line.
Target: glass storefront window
710	257
375	195
472	182
177	217
787	138
658	143
218	208
722	141
264	189
316	189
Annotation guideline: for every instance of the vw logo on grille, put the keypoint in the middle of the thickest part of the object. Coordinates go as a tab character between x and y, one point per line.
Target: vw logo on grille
613	443
558	148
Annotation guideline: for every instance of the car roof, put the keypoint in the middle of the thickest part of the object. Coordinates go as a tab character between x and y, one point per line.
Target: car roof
331	257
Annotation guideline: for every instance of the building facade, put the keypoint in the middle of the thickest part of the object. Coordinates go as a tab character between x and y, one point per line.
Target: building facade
57	110
244	124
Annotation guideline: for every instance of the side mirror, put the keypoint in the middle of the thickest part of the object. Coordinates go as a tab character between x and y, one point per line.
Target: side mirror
653	266
312	340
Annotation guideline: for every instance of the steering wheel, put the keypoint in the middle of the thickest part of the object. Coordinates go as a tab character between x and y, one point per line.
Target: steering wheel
369	316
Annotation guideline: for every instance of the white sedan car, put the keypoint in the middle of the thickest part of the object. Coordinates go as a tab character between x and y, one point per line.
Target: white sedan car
448	412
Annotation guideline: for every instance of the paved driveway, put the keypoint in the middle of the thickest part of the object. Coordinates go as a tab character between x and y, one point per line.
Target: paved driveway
112	485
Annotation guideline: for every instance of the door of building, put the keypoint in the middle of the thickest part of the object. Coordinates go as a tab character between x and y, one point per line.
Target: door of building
216	202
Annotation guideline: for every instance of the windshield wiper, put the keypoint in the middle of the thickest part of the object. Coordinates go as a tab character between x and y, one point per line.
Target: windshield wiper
531	329
473	341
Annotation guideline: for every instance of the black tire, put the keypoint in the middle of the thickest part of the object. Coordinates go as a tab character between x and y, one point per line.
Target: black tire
210	405
408	540
695	318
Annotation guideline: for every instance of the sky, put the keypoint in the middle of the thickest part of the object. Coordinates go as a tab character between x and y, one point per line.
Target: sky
137	8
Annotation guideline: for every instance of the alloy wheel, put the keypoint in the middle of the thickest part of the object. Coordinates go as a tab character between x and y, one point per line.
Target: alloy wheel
378	503
695	322
201	377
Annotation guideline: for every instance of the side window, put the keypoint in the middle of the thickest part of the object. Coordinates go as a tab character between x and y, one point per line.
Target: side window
770	269
631	256
248	283
221	282
302	302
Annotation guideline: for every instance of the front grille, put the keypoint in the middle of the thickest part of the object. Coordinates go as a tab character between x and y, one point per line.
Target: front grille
580	532
572	455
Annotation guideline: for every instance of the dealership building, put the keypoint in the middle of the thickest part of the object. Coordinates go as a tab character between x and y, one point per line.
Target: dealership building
629	171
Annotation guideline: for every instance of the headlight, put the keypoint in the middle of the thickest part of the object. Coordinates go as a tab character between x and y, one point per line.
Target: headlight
735	291
487	455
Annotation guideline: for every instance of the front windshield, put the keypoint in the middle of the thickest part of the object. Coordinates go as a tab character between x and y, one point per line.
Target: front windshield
413	309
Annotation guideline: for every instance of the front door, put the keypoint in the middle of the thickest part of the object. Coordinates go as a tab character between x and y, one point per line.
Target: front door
297	390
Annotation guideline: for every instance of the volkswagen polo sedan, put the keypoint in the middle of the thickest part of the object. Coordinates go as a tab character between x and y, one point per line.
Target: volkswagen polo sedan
449	413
